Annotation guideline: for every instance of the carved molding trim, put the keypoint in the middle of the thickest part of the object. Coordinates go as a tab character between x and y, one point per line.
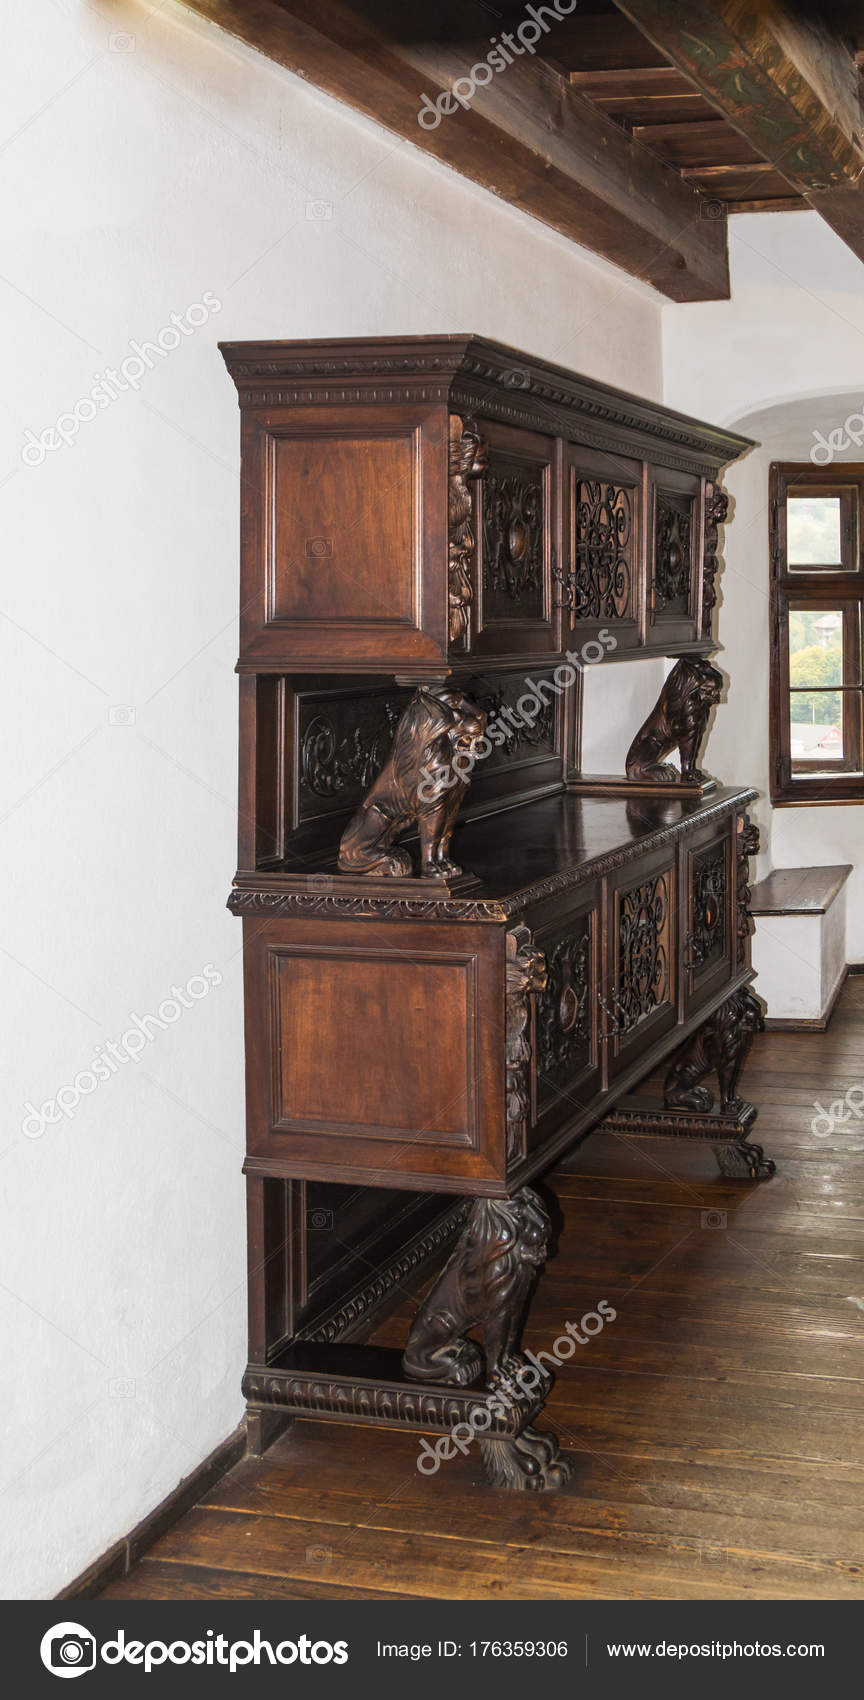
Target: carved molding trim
388	1280
502	388
525	975
306	1392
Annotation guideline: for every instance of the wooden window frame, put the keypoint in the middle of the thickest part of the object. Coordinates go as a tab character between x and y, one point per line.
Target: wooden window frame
822	587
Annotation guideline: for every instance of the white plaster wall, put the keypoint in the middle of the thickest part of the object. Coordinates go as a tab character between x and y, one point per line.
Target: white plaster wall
145	159
783	359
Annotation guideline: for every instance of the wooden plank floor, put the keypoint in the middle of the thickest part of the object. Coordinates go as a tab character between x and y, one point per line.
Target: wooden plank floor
715	1427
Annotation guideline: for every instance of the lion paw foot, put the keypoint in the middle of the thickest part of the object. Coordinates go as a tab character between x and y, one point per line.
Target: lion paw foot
443	869
530	1462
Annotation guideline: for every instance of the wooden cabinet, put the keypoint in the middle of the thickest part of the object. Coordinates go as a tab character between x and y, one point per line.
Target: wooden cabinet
456	961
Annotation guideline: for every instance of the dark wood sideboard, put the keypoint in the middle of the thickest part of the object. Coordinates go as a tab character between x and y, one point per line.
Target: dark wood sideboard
462	952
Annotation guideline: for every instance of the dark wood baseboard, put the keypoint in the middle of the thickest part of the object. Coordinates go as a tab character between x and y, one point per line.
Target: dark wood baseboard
816	1023
124	1554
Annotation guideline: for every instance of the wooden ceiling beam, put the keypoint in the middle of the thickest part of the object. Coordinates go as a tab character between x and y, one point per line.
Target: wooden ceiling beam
789	84
526	135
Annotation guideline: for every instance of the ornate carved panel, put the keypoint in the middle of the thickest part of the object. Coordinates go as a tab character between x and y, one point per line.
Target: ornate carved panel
707	943
644	969
598	585
344	743
516	732
563	1009
673	553
513	540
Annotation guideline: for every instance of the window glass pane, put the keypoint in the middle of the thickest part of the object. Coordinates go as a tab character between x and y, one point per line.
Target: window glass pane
816	727
813	531
815	647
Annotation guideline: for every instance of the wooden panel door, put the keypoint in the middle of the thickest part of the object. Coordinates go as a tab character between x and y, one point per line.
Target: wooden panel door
518	500
602	576
707	920
641	978
675	548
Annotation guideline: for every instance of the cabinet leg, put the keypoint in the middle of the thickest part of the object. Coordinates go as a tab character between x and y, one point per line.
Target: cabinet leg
486	1285
744	1161
263	1428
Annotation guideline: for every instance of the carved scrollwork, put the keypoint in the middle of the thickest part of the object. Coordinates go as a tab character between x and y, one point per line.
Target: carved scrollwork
525	974
747	845
598	583
672	551
716	509
332	758
563	1015
643	980
467	461
420	784
707	942
513	537
678	720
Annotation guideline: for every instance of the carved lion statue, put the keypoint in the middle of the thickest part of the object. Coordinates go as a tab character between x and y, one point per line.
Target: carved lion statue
678	720
721	1044
484	1285
420	784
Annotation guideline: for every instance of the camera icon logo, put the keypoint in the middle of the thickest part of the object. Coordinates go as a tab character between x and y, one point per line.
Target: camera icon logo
319	548
68	1649
122	714
319	1220
713	1218
319	209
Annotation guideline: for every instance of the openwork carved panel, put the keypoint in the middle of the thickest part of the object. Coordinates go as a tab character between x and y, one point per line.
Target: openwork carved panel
644	969
598	583
707	943
673	553
513	528
563	1010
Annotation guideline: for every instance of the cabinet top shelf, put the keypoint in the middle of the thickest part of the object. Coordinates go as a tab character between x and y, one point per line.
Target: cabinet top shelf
473	373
